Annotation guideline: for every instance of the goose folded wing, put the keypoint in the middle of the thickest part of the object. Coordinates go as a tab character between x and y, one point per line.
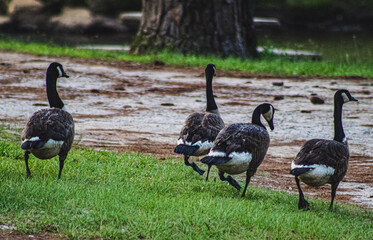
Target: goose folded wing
212	124
49	125
322	151
191	126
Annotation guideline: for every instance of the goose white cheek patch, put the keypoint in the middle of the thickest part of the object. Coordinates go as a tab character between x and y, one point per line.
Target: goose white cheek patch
268	115
59	71
345	97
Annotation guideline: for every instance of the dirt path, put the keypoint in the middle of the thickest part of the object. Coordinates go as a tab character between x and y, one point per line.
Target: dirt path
140	107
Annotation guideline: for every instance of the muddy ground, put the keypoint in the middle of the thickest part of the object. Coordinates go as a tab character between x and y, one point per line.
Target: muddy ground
141	107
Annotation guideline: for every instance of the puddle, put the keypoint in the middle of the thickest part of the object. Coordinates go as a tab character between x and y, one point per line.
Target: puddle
144	110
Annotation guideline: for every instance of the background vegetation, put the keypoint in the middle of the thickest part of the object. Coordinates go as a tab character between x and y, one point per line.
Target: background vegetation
105	7
268	63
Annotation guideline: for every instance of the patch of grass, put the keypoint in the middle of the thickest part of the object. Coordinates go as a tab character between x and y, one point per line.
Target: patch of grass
114	195
267	64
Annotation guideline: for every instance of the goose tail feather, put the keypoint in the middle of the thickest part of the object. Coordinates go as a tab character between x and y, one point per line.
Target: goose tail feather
29	144
186	149
299	171
210	160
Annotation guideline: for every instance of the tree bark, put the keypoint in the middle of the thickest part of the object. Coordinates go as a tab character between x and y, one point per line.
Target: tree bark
219	27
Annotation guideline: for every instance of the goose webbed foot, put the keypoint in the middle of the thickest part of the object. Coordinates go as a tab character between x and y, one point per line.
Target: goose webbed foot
193	165
230	180
234	183
197	169
303	204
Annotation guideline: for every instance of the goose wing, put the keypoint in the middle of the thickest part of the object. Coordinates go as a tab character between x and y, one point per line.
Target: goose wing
54	123
239	138
212	124
191	130
324	152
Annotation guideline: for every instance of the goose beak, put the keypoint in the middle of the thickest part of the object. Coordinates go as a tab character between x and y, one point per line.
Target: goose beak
65	75
354	99
270	123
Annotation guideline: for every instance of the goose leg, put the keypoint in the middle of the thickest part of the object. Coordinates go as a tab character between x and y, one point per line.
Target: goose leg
193	165
231	181
208	172
26	155
248	177
334	190
302	204
62	161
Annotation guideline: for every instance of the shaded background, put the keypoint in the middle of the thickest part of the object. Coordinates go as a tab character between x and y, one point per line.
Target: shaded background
340	30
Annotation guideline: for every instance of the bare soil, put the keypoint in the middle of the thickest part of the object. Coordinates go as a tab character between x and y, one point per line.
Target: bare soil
126	106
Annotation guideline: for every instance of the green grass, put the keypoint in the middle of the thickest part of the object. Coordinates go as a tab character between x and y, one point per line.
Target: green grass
267	64
115	195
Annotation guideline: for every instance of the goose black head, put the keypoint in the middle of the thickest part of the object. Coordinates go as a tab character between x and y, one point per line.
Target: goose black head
268	112
343	96
56	70
210	70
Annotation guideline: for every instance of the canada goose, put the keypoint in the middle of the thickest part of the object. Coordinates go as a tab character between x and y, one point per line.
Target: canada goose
200	129
322	161
49	132
241	147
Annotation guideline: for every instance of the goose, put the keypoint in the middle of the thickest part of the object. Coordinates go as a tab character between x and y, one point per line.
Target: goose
241	147
200	129
322	161
49	132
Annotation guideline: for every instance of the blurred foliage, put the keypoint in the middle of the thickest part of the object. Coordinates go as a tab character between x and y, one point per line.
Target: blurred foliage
56	6
344	5
4	6
104	7
308	12
113	7
313	3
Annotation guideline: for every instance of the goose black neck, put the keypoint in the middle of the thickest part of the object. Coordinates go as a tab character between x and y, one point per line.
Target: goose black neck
339	134
256	117
211	104
53	97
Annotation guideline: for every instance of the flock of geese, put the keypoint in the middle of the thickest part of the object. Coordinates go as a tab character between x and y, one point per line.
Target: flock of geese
233	149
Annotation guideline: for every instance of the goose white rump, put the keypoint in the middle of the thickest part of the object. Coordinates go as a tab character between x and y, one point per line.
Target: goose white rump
317	176
239	162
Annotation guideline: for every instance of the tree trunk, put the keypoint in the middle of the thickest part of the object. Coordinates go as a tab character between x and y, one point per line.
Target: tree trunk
219	27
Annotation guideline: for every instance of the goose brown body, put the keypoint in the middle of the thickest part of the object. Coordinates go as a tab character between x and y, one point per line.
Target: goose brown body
53	125
49	132
200	129
241	147
323	152
322	161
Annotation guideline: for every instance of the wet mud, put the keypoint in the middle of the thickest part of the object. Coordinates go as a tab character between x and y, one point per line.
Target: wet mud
141	107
